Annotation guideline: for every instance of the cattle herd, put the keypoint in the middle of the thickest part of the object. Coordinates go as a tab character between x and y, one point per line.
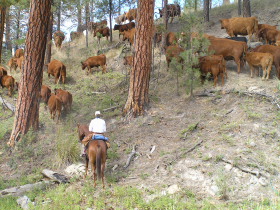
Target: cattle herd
224	49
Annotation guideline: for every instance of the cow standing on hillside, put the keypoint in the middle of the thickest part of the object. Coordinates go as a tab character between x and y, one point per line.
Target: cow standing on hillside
102	32
172	11
95	61
131	15
125	27
58	38
65	97
57	69
240	26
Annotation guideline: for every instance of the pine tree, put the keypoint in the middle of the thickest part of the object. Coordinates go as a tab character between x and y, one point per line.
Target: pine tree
246	8
138	96
27	109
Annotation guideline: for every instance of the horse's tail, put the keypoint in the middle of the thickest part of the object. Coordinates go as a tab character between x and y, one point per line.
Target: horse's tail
98	161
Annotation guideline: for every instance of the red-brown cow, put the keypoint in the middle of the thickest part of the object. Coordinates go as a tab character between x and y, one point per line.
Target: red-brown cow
45	93
171	39
129	35
131	15
120	19
102	32
57	69
275	51
7	81
65	97
264	60
95	61
213	64
55	106
229	49
240	26
12	64
128	60
76	35
58	38
125	27
262	26
19	62
173	51
19	53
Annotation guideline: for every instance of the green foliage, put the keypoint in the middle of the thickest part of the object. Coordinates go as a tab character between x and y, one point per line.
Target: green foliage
194	48
67	146
9	203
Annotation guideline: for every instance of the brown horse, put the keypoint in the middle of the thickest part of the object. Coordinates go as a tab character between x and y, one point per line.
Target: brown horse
96	156
82	131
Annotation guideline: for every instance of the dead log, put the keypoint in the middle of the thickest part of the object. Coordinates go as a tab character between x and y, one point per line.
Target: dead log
21	190
111	108
60	178
184	153
7	104
133	152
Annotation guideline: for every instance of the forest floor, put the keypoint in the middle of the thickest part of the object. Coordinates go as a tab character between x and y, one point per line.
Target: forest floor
217	151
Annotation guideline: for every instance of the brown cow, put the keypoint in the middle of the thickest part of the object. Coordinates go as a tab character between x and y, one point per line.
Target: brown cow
213	64
173	51
240	26
264	60
125	27
7	81
19	53
172	11
95	61
58	38
65	97
19	62
99	25
275	51
12	64
128	60
3	71
120	19
171	39
83	131
131	15
45	93
55	106
271	36
76	35
57	69
102	32
129	35
262	26
229	49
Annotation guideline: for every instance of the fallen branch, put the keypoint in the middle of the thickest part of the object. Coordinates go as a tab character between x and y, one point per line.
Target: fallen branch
102	51
7	104
255	173
111	108
21	190
55	176
182	154
133	152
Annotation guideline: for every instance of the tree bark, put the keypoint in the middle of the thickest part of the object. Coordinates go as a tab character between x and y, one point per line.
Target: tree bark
239	7
195	5
79	16
58	15
110	19
92	10
2	23
27	110
246	8
49	42
18	26
165	21
138	97
8	30
206	11
87	18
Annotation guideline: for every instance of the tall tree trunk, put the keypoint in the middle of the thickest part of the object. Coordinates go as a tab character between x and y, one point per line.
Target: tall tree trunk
206	11
246	8
18	27
49	42
8	30
210	4
138	96
239	7
165	22
195	5
2	23
92	10
110	19
119	10
87	18
58	15
27	110
79	16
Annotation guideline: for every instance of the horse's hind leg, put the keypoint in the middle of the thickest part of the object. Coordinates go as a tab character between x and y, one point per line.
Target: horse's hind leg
86	167
94	173
102	174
